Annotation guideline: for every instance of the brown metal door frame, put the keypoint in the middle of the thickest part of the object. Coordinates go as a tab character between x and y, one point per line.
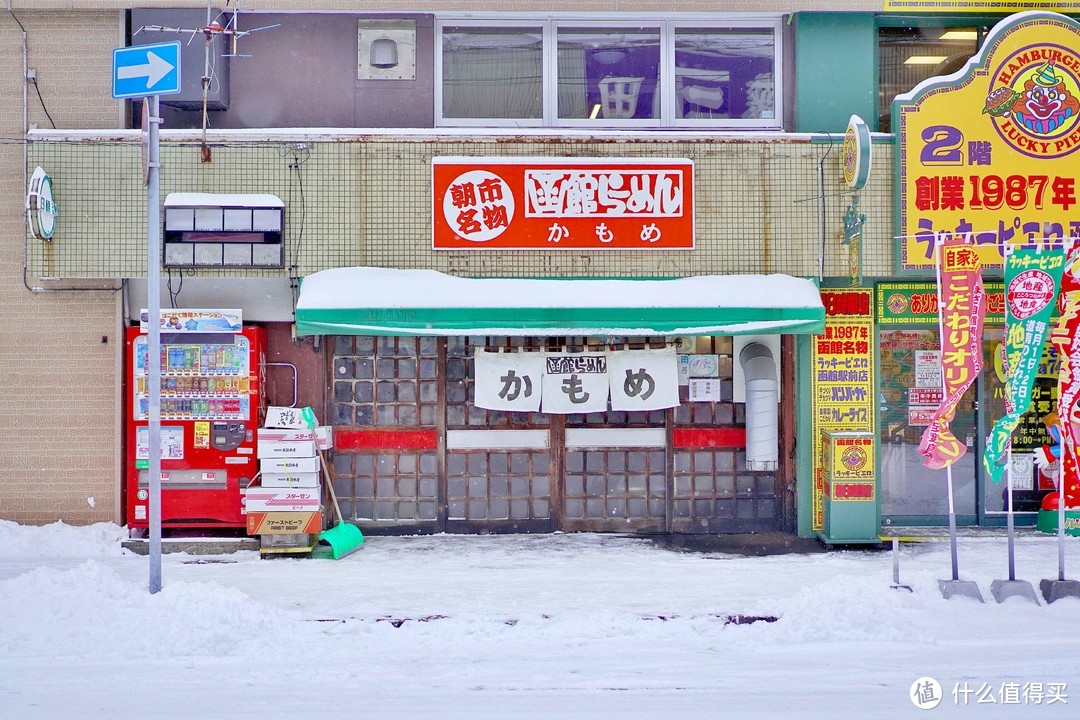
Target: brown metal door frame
440	429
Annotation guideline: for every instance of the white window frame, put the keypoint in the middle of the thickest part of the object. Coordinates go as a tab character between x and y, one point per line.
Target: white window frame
666	27
523	23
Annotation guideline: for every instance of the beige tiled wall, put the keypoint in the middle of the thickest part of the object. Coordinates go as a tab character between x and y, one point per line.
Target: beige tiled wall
58	350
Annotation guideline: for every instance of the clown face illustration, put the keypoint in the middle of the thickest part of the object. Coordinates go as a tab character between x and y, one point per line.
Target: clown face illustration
1045	104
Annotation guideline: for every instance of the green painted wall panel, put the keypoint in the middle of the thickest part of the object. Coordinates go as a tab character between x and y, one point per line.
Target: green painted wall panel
835	71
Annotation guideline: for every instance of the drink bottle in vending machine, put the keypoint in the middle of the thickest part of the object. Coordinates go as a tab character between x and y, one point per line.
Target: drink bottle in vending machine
212	405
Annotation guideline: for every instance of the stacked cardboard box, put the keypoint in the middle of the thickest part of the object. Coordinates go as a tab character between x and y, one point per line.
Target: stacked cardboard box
287	499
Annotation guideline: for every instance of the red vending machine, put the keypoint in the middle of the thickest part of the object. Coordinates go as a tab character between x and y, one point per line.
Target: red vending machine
212	404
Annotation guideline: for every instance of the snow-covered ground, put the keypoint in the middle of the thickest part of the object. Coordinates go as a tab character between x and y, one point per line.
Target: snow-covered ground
554	626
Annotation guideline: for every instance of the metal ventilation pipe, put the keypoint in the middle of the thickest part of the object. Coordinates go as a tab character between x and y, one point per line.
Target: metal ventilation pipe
762	393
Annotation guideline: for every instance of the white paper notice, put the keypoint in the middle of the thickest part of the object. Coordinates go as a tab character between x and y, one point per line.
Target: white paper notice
704	389
928	369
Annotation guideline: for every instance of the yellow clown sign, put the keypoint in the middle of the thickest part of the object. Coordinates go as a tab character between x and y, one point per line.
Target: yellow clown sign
989	152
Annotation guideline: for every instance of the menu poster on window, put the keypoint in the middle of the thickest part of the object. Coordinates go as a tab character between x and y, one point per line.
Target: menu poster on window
704	390
842	383
923	404
928	369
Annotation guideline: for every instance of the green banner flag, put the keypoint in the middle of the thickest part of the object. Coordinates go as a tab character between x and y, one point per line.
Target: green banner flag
1032	277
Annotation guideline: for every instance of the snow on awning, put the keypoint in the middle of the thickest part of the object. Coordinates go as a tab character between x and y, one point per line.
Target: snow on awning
381	301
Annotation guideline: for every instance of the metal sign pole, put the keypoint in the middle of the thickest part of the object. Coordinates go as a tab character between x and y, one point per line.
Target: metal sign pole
955	586
153	341
1010	526
1002	589
147	72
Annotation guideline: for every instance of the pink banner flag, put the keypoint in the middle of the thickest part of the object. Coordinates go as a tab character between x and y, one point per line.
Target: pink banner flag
961	307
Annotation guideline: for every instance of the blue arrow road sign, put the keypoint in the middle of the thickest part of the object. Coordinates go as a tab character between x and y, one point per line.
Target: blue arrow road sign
142	70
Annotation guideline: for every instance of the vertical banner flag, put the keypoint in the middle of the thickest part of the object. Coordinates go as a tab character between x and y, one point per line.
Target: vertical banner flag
1067	341
508	381
575	383
961	307
643	379
1032	276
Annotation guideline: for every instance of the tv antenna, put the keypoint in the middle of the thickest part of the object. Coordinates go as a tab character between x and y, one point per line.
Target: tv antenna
212	29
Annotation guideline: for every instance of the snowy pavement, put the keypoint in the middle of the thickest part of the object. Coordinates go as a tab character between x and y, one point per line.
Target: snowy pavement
550	626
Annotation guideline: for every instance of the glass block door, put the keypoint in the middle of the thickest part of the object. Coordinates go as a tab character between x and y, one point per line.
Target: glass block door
615	476
499	468
385	415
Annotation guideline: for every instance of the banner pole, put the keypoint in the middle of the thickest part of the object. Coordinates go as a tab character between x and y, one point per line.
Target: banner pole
1053	590
952	527
1061	503
955	586
1067	445
1009	513
944	394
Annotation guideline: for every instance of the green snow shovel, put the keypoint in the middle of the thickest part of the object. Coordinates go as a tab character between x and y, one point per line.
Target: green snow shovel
343	538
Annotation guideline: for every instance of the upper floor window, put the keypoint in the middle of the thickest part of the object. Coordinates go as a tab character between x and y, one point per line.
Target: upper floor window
492	74
725	73
909	55
614	74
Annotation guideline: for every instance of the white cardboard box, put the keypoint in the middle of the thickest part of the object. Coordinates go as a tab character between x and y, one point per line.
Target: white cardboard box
289	417
323	435
289	466
275	449
264	499
278	435
289	480
280	523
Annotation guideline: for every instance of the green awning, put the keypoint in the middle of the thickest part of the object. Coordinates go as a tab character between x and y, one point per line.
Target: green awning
380	301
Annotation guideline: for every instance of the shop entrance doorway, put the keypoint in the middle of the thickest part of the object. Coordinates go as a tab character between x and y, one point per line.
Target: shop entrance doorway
914	494
414	454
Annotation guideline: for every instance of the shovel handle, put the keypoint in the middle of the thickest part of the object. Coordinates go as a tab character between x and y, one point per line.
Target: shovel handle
330	484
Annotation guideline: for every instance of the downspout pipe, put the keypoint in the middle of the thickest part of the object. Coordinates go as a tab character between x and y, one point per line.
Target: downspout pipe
762	409
25	133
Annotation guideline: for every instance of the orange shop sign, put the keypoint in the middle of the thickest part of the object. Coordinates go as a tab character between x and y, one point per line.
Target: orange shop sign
525	203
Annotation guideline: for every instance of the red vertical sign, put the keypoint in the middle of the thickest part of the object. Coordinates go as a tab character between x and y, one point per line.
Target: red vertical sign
961	307
1066	340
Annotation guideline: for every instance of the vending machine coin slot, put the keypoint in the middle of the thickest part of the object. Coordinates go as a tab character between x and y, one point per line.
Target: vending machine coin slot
227	436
